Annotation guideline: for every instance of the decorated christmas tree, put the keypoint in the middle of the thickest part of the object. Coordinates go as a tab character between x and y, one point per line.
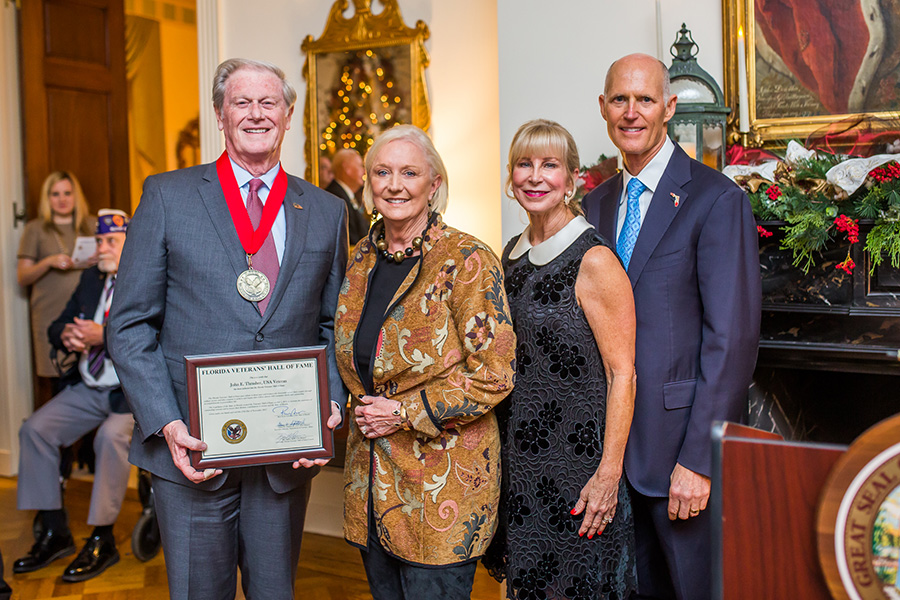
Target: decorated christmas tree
364	102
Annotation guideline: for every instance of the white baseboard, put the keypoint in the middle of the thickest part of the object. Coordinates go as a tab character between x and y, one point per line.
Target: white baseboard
6	466
325	513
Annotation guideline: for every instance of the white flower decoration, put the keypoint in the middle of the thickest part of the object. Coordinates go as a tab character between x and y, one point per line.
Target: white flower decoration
765	170
851	173
795	153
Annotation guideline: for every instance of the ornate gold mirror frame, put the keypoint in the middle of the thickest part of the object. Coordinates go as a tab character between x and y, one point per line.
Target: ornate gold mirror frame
856	78
364	74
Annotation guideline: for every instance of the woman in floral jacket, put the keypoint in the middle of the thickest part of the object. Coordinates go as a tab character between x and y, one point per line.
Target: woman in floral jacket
425	345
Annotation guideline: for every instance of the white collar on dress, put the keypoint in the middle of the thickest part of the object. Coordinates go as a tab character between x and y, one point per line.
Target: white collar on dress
553	246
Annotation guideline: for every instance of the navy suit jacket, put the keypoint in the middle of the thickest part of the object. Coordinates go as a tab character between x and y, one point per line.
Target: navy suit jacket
83	304
357	221
697	295
176	296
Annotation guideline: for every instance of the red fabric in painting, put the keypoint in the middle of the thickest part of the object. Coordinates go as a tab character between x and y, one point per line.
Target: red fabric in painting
738	155
822	42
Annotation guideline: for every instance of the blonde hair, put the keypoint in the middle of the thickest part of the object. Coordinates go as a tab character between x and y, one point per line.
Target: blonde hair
542	137
80	215
414	135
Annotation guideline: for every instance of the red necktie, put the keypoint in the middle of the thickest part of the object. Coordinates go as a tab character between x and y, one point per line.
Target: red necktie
266	260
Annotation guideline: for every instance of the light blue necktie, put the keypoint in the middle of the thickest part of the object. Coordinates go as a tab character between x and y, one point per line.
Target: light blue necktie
632	225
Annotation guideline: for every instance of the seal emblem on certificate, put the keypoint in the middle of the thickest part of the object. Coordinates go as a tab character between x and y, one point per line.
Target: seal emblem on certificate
234	431
259	407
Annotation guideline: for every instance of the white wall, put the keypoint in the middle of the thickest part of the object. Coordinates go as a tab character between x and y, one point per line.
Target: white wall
553	58
15	367
462	81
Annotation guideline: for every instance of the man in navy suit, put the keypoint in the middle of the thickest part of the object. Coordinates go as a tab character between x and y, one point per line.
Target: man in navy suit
694	268
348	177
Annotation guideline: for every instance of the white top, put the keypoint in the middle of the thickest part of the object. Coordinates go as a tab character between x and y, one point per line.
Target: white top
553	246
108	377
649	176
279	227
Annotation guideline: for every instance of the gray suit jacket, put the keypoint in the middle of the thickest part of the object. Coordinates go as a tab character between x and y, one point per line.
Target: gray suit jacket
176	296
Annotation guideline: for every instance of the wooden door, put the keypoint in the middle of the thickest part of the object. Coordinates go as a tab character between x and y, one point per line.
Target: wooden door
74	101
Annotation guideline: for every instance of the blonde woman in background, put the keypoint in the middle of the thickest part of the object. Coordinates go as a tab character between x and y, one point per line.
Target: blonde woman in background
45	259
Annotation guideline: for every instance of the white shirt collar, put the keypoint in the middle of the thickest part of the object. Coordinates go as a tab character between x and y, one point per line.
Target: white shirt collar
243	176
347	189
553	246
653	171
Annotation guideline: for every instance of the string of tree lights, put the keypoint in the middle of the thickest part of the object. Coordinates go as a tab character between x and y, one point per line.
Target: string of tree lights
364	102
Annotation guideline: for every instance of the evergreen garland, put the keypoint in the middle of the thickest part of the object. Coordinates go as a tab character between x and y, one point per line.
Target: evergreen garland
814	210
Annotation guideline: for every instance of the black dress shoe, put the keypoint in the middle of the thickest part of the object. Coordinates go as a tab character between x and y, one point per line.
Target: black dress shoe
51	545
97	555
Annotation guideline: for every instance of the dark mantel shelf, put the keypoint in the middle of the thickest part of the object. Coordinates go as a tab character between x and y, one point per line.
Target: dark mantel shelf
829	352
827	319
828	357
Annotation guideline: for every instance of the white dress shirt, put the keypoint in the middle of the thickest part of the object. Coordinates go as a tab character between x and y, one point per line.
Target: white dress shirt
107	377
649	176
279	227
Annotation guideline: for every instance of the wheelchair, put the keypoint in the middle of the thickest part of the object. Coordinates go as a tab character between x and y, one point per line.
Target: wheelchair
145	539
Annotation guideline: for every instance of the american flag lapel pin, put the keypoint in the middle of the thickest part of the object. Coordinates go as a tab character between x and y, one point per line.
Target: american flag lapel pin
297	205
676	199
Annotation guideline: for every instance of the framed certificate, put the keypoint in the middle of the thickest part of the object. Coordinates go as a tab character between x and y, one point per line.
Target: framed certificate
262	407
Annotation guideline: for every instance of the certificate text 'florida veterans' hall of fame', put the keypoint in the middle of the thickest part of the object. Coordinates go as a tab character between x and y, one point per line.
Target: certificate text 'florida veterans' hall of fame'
258	412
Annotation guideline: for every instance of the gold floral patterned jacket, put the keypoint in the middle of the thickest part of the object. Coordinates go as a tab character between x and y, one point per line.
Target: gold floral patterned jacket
447	352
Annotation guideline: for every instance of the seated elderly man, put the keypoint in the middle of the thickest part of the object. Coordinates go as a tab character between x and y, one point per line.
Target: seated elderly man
92	398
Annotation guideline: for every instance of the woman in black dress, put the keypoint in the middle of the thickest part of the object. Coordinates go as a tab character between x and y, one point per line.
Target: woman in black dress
566	526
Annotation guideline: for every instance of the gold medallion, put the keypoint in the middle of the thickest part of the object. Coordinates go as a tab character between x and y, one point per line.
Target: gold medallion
234	431
253	285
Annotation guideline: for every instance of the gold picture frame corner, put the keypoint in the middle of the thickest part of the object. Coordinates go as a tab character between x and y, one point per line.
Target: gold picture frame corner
387	41
769	132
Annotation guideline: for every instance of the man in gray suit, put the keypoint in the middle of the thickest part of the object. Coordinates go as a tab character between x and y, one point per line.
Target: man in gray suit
188	244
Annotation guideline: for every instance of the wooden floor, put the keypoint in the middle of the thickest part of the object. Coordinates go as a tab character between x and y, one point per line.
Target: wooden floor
330	569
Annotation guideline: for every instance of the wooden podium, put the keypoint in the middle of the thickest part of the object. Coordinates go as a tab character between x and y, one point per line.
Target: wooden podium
764	499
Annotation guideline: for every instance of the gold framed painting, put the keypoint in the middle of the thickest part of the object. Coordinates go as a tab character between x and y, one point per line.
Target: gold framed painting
813	63
364	74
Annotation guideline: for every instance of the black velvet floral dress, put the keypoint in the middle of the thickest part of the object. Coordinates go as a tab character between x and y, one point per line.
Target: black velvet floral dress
551	432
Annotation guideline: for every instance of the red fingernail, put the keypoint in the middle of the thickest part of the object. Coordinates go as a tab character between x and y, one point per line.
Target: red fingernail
591	536
573	512
580	534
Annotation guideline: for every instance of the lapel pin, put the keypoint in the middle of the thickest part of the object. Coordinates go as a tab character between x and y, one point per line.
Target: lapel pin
675	198
296	205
